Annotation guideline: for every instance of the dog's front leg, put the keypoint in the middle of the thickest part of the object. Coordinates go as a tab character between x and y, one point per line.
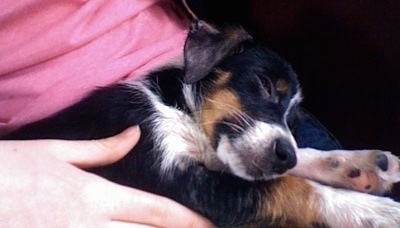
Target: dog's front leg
295	202
229	201
370	171
288	202
345	208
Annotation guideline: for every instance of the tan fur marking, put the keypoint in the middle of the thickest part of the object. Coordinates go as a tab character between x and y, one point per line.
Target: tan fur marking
282	86
223	77
220	104
291	201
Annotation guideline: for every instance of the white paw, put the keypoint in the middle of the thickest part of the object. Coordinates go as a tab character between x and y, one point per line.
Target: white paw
370	171
344	208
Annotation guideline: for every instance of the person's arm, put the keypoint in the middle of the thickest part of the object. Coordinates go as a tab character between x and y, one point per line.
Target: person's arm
40	188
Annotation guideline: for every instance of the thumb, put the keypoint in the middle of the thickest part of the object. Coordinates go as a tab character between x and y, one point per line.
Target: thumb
100	152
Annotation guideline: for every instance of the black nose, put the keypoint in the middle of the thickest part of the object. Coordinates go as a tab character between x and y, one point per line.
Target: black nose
284	156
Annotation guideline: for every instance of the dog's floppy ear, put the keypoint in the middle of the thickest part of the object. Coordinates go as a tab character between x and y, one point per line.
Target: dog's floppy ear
206	46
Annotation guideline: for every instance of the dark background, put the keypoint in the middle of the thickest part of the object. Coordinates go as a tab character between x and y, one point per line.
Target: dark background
346	54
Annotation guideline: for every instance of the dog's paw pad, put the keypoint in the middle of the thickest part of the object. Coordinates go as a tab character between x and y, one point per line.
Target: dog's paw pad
382	161
354	173
363	181
333	163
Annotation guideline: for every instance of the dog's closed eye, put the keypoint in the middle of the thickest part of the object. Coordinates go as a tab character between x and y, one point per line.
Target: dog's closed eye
266	84
239	49
242	46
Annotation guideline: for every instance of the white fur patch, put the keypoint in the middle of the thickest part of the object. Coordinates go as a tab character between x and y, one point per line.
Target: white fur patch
190	100
344	208
296	99
176	134
228	155
263	134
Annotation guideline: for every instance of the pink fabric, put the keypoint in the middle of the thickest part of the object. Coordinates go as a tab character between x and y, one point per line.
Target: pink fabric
52	52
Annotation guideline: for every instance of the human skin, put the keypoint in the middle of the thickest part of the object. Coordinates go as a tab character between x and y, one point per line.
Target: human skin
42	186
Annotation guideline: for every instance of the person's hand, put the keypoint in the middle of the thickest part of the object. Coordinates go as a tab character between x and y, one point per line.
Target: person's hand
39	188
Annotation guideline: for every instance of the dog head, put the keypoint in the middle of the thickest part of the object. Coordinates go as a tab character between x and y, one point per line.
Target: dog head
246	94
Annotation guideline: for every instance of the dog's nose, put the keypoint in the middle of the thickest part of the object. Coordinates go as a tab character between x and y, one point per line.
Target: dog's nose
284	156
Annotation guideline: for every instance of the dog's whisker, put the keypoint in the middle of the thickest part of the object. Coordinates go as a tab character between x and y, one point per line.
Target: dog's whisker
234	111
237	127
234	126
223	104
244	118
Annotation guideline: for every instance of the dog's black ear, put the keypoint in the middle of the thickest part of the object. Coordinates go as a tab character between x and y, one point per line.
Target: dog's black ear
206	46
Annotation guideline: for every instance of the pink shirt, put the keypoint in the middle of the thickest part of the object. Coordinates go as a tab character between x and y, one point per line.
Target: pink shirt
52	52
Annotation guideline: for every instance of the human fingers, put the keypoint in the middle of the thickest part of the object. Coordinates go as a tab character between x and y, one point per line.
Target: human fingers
136	206
82	153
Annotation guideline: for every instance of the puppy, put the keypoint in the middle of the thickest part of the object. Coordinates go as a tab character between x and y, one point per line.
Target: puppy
215	138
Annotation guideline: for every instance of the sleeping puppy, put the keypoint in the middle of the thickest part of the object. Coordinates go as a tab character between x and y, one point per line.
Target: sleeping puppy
215	138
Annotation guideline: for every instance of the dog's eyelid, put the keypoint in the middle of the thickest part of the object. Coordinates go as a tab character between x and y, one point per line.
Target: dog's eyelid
266	83
238	49
242	45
